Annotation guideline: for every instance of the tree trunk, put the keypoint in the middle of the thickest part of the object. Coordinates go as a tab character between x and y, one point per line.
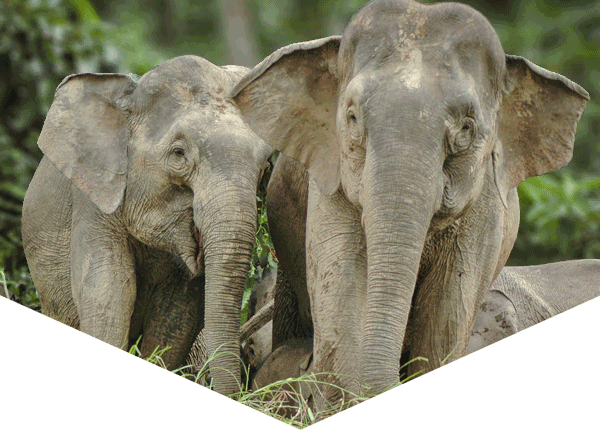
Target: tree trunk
236	24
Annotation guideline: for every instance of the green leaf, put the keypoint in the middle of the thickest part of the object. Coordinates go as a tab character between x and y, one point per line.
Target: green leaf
84	10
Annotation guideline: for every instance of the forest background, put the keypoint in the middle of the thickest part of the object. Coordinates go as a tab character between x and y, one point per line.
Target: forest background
42	41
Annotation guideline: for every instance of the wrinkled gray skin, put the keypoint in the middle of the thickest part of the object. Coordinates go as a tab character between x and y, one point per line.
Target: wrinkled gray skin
415	128
143	185
520	297
524	296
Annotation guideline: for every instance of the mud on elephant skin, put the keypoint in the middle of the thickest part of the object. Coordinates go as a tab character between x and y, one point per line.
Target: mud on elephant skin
524	296
415	128
142	186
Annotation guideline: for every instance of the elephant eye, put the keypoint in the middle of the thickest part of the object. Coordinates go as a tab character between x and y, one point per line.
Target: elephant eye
177	158
353	126
465	135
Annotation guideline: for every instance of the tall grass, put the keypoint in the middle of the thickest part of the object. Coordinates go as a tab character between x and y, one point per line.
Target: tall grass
283	399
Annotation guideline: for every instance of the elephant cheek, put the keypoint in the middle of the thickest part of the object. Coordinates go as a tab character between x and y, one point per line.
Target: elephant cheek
350	172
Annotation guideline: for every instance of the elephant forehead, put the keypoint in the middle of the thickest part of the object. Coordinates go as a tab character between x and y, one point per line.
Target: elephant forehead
410	71
413	34
182	81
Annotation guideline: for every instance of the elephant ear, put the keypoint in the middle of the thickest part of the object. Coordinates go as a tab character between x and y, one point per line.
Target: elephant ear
85	135
539	116
290	101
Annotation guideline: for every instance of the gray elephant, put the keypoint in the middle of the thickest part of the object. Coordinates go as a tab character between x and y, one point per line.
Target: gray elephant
519	298
524	296
292	359
415	128
143	185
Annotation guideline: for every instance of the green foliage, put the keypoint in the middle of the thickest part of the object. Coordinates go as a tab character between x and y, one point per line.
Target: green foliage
84	10
561	218
17	286
41	42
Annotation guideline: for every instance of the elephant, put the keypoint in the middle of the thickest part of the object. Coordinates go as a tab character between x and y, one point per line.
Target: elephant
524	296
415	129
292	359
140	218
259	343
519	298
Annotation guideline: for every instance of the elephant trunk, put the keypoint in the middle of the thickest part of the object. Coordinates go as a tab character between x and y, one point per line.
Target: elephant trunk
401	193
227	222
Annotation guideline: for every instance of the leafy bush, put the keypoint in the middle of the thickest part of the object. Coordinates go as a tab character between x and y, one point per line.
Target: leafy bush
561	219
41	42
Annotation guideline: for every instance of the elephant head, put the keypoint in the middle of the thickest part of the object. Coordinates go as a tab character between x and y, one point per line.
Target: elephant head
293	359
169	161
415	128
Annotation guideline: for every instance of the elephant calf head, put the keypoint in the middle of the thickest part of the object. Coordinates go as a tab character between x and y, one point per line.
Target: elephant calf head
294	359
416	128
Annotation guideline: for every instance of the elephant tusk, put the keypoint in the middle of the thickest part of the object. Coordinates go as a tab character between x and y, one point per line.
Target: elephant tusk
258	320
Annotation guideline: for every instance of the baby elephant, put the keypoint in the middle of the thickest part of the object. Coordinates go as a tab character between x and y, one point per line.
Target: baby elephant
258	347
143	185
524	296
293	359
519	298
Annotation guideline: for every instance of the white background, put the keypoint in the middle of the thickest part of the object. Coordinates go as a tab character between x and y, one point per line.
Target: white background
52	376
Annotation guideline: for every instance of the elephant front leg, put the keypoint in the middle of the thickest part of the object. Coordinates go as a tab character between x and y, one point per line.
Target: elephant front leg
336	277
103	278
173	317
